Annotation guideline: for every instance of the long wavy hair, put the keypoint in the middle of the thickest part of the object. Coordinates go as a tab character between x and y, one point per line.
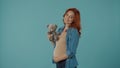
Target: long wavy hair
76	21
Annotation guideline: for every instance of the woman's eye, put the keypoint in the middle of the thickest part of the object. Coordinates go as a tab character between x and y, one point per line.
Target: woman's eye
66	14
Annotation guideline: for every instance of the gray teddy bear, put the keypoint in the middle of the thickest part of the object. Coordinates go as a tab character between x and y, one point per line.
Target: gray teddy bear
52	30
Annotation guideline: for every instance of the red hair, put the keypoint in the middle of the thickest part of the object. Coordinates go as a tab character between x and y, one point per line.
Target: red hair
76	21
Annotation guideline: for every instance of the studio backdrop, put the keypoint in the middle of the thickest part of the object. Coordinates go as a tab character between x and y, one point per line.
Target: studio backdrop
23	32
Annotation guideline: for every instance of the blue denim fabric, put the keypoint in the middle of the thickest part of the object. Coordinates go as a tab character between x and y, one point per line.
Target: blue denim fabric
72	39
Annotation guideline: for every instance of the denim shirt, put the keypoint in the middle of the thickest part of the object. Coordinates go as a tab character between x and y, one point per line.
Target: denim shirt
72	40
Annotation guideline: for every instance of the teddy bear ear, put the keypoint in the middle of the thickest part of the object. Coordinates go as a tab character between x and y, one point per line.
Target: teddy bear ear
47	26
56	26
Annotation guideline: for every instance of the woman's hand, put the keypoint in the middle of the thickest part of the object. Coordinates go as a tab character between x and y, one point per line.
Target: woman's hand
49	36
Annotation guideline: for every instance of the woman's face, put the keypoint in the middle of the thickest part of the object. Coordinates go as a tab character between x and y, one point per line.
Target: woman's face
69	17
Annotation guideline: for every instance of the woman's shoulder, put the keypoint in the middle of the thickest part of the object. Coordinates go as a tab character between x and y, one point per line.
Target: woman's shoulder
60	28
71	29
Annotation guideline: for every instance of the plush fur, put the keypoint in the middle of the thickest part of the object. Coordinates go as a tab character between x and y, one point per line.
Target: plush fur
52	30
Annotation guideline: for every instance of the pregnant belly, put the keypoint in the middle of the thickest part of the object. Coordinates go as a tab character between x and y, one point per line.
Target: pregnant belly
59	50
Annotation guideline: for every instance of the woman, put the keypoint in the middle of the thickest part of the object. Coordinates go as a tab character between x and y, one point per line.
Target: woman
68	40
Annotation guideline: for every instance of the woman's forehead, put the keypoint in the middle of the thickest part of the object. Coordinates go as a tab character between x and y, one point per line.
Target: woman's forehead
70	12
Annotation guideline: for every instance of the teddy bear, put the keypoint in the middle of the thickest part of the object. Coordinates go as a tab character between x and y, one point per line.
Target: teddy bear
52	30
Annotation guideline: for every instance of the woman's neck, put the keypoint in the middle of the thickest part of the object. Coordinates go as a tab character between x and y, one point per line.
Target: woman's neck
66	27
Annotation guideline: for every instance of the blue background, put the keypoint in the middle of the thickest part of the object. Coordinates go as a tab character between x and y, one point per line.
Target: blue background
23	32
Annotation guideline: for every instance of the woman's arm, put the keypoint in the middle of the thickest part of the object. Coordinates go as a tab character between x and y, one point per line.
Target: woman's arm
72	42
